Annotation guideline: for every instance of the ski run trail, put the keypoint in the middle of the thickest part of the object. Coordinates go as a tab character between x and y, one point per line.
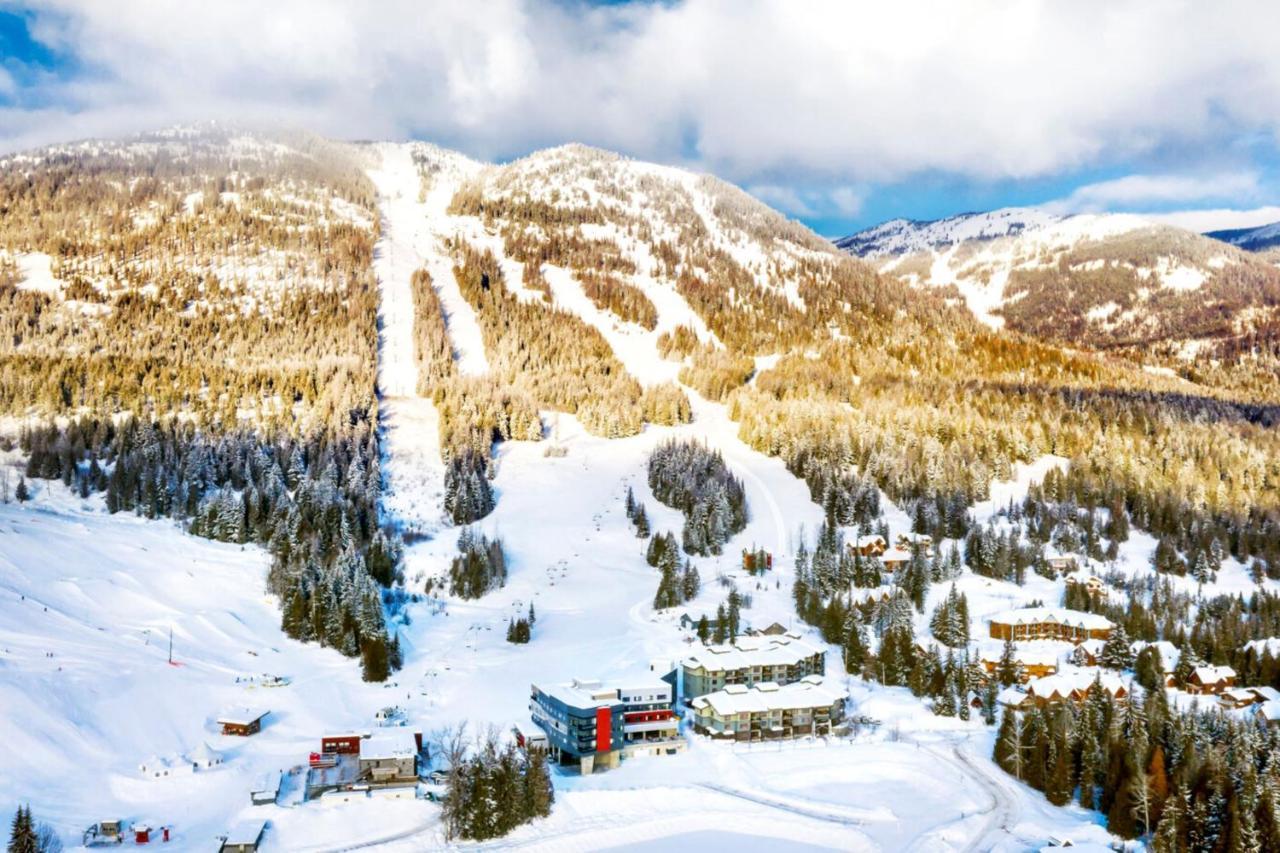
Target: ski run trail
87	600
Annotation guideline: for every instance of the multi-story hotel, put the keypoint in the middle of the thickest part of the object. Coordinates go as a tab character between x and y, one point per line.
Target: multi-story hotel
593	725
752	660
768	711
1050	623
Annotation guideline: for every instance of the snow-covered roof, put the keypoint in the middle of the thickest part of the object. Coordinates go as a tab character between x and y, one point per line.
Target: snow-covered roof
1032	652
1064	684
1261	647
1012	695
242	716
1169	653
1056	615
1212	674
267	783
388	744
872	539
1094	646
895	555
784	650
582	693
809	692
204	754
246	832
1269	710
859	594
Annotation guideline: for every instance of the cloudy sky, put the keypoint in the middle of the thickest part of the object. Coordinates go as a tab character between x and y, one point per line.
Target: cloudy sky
842	114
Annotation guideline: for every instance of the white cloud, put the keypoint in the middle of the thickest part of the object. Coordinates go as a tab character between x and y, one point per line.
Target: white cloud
1219	219
763	93
1135	192
806	203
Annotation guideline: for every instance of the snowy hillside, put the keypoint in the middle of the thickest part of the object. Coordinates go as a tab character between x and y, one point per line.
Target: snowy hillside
1097	279
1251	239
528	334
906	236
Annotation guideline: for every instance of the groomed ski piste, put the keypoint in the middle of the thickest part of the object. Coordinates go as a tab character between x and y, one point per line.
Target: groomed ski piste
87	601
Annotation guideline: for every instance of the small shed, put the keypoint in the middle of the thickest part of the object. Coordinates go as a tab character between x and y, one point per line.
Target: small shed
244	837
266	788
242	723
104	832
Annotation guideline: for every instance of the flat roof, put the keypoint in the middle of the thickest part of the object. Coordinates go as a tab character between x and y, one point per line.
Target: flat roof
783	650
392	743
242	716
768	696
246	832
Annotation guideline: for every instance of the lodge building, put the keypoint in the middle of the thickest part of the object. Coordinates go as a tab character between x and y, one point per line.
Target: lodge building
769	711
752	660
1050	623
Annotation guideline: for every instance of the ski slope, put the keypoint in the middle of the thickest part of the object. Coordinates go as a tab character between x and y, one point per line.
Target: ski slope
108	699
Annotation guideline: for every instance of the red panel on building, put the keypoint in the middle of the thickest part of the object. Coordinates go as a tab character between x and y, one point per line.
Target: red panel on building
604	730
341	744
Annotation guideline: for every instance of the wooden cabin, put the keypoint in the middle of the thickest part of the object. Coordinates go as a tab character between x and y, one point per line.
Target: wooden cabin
242	723
1210	680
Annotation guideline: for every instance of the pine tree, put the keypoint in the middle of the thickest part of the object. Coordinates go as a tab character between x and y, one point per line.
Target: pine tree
22	839
1009	744
1117	652
21	493
1008	670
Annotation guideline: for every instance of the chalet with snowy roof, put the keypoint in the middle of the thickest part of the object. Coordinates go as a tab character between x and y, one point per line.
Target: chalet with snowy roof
862	594
390	757
1210	680
777	629
242	722
895	559
871	545
1088	653
1234	698
1074	687
768	711
1015	697
1062	563
922	541
1037	659
244	837
1049	623
1092	584
750	661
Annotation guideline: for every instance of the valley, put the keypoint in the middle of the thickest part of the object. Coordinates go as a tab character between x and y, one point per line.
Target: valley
869	408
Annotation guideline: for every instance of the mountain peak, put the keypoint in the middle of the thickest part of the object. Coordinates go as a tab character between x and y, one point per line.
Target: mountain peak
904	236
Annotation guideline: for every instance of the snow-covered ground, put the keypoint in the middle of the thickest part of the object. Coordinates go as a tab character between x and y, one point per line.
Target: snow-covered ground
100	593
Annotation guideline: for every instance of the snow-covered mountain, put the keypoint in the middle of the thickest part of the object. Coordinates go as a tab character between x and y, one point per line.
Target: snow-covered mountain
1093	279
1251	239
904	236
